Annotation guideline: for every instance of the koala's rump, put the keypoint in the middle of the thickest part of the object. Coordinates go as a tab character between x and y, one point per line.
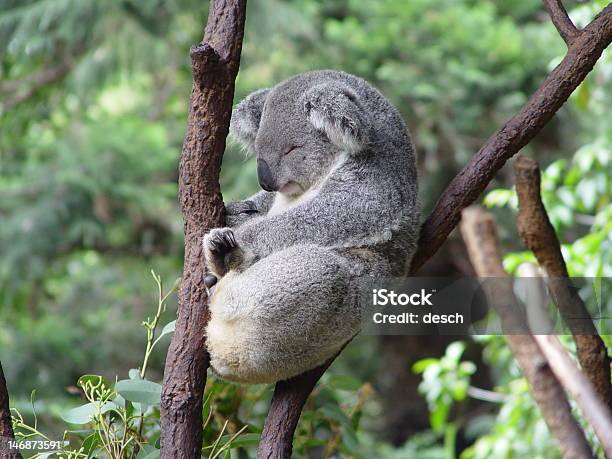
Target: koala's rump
286	314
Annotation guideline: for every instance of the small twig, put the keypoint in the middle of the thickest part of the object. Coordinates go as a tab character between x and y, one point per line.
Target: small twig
561	20
480	235
6	422
539	236
486	395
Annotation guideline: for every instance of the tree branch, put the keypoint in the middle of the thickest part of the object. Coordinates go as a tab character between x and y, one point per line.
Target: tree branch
214	64
539	236
480	235
284	413
561	20
6	423
514	135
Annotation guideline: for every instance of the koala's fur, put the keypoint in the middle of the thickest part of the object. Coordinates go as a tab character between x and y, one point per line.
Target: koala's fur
340	163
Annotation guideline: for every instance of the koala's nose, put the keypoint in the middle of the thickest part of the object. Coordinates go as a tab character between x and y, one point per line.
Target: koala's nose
264	175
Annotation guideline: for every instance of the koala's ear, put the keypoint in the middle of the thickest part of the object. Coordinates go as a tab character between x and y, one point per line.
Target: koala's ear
246	117
334	109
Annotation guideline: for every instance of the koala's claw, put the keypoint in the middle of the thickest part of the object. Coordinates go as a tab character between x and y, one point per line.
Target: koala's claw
220	240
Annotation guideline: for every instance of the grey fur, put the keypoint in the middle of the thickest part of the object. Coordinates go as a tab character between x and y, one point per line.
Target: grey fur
348	208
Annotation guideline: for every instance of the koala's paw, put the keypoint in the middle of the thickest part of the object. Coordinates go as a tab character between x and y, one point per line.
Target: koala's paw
220	241
217	244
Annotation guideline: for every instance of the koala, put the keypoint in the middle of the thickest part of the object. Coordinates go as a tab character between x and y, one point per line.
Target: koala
339	203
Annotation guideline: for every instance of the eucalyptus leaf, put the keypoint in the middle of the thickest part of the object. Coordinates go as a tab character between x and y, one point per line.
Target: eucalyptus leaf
140	391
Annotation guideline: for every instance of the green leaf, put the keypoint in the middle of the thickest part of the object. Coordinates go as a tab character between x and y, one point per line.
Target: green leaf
84	413
140	391
334	412
421	365
91	442
344	382
454	350
438	416
169	328
134	373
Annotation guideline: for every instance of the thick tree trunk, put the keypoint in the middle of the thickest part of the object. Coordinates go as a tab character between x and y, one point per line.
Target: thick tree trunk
215	64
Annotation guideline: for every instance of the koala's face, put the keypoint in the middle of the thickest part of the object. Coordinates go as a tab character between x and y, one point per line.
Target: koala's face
292	156
299	129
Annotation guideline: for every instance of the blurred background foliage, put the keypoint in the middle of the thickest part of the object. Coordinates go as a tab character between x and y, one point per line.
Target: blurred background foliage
93	103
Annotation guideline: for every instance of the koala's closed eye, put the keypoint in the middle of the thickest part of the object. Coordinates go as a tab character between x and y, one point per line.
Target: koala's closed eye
290	149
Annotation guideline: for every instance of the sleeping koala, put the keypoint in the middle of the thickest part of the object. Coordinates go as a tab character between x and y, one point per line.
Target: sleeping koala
337	167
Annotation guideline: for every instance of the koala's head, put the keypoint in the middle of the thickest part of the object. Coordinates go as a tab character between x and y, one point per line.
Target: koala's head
298	130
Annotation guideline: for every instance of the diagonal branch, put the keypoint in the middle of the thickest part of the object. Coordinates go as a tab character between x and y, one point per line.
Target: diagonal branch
480	235
561	20
514	135
539	236
214	64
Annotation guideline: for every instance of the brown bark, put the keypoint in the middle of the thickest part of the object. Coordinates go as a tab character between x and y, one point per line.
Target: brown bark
479	232
215	64
463	190
539	236
284	413
561	20
6	423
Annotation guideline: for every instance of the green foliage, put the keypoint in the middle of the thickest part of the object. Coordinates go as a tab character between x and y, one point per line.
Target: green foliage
93	103
445	381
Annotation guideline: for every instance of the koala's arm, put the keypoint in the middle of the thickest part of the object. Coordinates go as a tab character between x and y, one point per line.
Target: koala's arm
240	212
331	220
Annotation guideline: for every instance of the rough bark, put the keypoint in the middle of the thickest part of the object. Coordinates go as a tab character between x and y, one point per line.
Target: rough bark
539	236
6	423
463	190
215	63
284	413
561	20
479	232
